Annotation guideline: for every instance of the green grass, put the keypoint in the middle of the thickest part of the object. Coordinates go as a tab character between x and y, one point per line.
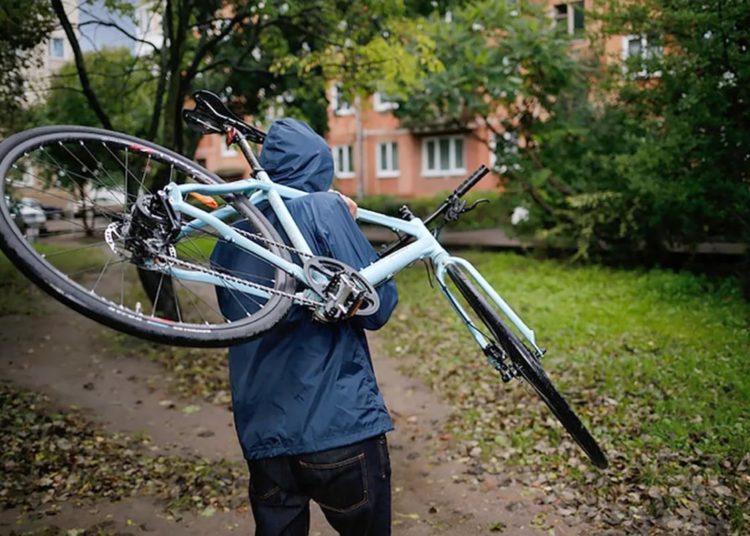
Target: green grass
18	296
655	362
199	247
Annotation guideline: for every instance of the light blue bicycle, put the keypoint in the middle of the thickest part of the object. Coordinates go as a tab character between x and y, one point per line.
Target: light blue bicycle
128	228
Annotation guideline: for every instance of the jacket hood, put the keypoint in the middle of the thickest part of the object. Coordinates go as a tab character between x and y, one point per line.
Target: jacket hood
295	156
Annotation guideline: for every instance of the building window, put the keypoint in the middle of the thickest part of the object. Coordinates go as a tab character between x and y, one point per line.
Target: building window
57	48
382	103
443	155
569	18
387	158
340	105
343	161
638	51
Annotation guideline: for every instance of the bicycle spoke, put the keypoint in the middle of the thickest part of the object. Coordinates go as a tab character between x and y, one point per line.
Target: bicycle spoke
125	167
74	250
201	299
98	176
85	270
122	285
158	292
101	274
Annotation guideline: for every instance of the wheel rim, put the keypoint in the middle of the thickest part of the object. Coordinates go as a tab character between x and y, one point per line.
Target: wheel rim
62	191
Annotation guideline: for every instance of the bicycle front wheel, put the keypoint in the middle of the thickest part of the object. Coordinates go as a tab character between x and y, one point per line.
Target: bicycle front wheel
528	366
67	200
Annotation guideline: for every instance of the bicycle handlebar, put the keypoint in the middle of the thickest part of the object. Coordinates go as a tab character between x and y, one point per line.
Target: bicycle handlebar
459	192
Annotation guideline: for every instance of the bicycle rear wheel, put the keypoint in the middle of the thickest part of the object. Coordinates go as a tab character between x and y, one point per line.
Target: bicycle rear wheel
528	366
66	194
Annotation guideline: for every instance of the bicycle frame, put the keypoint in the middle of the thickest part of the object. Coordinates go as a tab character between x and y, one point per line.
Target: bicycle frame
425	245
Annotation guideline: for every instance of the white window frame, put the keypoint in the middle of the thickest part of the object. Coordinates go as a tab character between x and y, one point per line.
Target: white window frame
386	170
646	53
452	169
570	15
339	106
381	104
347	152
52	48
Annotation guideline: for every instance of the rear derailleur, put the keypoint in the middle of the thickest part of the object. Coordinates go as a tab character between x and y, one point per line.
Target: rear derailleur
345	291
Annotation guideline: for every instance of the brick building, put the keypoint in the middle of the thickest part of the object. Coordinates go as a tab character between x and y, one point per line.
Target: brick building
374	154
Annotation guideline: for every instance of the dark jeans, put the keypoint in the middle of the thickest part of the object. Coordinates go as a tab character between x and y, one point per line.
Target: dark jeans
352	485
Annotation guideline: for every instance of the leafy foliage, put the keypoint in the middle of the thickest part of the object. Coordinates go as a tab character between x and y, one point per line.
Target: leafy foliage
23	27
497	56
123	83
630	157
50	457
687	153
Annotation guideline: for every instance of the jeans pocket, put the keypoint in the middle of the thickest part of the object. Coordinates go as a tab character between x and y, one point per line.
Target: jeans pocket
339	486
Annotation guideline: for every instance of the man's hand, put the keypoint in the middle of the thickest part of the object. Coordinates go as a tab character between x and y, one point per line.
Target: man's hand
350	204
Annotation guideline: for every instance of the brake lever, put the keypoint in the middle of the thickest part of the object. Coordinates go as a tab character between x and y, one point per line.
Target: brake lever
455	209
476	203
458	207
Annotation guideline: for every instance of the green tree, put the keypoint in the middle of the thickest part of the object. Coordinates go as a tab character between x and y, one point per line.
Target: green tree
122	82
686	101
505	66
638	157
255	52
23	28
657	157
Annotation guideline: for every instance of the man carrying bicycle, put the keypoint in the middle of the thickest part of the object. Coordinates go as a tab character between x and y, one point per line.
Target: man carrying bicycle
308	411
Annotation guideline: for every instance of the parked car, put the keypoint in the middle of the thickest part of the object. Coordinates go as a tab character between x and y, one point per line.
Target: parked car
100	201
52	212
31	221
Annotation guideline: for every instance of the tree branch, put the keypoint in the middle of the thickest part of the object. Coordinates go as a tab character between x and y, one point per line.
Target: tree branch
166	25
209	44
121	30
81	65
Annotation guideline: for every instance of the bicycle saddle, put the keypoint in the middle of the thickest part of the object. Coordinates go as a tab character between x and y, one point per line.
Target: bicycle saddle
211	116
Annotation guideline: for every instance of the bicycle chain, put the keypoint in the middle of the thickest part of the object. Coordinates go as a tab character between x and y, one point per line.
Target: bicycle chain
198	268
257	237
173	260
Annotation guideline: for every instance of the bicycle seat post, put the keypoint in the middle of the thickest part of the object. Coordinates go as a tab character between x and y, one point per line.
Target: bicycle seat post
248	152
285	218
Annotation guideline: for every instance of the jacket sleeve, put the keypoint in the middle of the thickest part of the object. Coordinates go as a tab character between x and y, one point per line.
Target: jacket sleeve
346	242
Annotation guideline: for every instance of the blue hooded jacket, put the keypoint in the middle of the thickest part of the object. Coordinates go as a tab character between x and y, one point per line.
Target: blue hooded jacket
304	386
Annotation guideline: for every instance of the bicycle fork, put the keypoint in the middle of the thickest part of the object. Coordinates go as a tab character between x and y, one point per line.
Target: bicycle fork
495	355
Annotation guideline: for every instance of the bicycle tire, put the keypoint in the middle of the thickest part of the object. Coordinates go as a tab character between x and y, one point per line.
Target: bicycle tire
45	275
528	367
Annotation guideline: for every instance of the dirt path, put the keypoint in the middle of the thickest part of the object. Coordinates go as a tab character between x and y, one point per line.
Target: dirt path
58	354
